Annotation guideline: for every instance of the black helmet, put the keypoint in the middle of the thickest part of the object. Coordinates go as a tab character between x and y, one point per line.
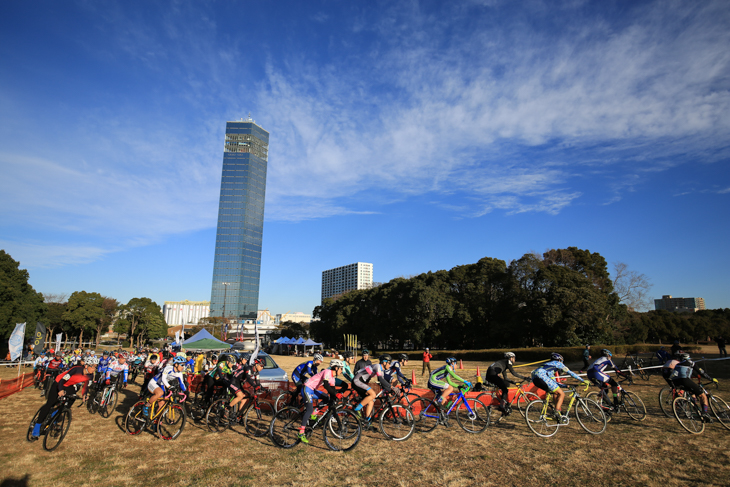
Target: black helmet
348	354
557	356
403	357
385	358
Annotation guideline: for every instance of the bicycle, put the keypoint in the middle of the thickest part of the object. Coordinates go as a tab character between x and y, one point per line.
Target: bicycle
395	421
166	416
543	420
255	416
103	400
403	394
471	414
689	415
55	427
628	401
521	397
633	362
289	399
341	429
51	375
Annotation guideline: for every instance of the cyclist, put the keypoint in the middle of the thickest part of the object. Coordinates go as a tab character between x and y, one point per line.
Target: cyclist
161	382
69	383
150	369
119	370
597	375
305	371
244	373
347	360
442	381
682	379
104	362
360	384
394	372
327	379
543	378
218	376
492	376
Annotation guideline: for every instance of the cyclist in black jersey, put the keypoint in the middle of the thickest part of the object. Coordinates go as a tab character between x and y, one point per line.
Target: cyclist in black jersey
492	376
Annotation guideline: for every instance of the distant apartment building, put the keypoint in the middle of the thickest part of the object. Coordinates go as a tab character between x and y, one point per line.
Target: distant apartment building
185	312
346	278
689	305
297	317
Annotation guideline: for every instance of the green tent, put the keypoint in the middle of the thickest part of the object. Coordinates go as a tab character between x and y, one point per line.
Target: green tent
205	341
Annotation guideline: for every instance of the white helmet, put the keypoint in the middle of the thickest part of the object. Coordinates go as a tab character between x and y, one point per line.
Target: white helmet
92	361
318	356
336	363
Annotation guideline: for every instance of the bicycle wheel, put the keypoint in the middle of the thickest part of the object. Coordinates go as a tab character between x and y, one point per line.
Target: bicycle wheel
397	422
721	410
411	397
171	423
590	416
343	430
688	415
258	418
642	372
216	418
426	414
487	398
284	427
634	406
540	423
56	430
524	399
32	424
666	398
108	408
603	402
135	422
284	400
476	420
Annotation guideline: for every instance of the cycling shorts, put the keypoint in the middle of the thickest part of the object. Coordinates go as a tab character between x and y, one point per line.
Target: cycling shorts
308	395
152	385
437	386
545	382
599	377
359	385
688	385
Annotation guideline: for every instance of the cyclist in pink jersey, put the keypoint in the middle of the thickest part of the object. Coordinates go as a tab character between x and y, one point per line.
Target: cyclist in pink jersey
327	378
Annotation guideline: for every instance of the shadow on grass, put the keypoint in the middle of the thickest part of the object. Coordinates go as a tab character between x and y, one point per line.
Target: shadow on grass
21	482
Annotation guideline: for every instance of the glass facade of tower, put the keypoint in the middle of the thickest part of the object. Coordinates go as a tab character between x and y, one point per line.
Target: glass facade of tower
237	267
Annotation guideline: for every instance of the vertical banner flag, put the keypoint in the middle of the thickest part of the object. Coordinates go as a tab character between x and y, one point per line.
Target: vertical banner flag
256	349
58	341
15	344
177	336
40	338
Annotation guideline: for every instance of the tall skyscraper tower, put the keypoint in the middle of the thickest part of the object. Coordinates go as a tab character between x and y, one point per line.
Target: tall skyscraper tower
237	267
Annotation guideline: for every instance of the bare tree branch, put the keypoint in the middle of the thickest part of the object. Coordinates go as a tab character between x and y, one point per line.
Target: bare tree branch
631	287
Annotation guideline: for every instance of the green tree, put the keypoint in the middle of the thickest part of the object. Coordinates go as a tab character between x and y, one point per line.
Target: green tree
84	312
141	319
19	302
291	329
111	308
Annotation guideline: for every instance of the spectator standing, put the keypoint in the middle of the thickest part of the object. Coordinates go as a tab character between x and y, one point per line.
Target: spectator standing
676	347
363	362
721	346
426	362
586	357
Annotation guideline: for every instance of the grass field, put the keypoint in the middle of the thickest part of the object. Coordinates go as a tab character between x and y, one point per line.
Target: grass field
97	451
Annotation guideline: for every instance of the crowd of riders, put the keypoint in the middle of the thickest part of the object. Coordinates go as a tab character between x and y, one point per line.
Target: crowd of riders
73	370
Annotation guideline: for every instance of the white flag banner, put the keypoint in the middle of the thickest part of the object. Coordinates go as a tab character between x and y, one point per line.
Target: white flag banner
58	341
256	350
177	336
16	341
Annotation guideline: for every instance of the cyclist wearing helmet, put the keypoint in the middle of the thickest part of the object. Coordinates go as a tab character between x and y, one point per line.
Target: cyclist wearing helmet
68	383
597	375
327	378
394	372
360	384
162	382
104	362
348	359
244	373
307	369
682	379
150	370
443	380
543	378
218	376
492	376
118	369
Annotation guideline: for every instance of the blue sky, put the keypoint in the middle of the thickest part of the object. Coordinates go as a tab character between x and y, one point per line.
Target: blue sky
413	135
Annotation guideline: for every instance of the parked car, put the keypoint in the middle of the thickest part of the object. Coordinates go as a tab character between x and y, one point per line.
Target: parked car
271	370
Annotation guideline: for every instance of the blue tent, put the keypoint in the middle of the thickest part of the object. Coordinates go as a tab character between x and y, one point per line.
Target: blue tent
299	341
283	341
311	343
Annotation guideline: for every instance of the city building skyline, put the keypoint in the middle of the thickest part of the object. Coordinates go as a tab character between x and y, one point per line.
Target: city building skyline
670	303
346	278
239	234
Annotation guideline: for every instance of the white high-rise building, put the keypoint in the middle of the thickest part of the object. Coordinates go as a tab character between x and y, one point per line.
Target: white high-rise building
346	278
185	312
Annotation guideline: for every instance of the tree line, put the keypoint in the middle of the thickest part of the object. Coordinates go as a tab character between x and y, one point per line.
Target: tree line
564	297
80	316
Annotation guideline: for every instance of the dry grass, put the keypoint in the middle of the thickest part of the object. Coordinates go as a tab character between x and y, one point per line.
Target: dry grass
96	450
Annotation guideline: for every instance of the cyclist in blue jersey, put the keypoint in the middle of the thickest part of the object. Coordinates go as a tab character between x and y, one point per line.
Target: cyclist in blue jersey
597	375
682	379
104	362
544	378
395	372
